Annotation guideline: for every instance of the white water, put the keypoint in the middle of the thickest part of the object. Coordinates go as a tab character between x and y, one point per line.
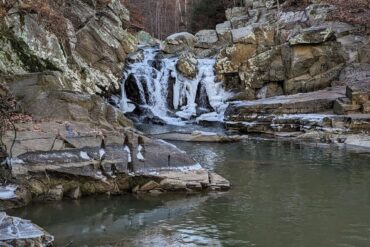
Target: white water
184	90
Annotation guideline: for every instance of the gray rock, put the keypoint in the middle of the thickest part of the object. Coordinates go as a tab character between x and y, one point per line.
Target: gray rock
312	35
187	64
179	42
206	39
19	232
224	32
236	12
292	104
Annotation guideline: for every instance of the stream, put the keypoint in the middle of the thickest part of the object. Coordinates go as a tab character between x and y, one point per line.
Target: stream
284	193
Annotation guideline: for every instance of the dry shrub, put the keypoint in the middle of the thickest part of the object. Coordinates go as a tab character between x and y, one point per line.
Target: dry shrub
356	12
48	14
294	4
5	6
102	3
8	118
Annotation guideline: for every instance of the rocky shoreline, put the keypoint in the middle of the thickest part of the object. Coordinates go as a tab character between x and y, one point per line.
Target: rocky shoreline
294	72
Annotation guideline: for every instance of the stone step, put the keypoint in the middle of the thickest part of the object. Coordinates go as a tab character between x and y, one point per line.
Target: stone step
344	106
271	124
303	103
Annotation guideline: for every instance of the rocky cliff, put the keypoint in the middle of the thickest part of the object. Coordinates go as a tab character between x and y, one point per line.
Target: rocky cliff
86	42
59	136
290	57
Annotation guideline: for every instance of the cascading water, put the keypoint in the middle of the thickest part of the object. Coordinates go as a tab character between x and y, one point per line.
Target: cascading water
154	85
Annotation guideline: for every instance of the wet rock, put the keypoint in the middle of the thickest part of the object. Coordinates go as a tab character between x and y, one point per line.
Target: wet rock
145	38
187	65
54	194
218	182
173	185
149	186
19	232
74	193
136	56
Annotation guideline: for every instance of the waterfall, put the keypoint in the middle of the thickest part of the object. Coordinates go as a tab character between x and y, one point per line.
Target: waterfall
155	86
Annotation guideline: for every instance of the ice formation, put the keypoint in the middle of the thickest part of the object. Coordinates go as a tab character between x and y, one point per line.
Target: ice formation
157	80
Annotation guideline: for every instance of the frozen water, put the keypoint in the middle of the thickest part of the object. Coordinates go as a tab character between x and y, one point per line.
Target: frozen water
156	78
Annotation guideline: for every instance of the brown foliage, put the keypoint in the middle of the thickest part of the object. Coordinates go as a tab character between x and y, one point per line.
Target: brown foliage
356	12
294	4
9	116
48	14
5	6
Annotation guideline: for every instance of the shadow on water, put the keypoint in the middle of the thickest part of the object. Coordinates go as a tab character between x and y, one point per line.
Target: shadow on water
284	194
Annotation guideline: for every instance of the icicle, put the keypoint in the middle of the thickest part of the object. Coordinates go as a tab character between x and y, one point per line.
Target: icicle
85	156
139	154
127	149
184	90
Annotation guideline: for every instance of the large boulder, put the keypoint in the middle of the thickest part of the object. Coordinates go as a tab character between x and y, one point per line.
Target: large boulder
230	59
187	65
37	90
224	32
179	42
206	39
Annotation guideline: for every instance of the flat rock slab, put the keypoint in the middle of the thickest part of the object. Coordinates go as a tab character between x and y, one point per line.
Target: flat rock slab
16	231
199	136
314	102
291	124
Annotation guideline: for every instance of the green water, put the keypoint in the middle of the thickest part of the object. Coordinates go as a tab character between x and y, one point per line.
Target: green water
283	194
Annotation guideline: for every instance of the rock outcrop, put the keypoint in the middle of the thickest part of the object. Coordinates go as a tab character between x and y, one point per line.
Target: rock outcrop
284	59
88	43
75	141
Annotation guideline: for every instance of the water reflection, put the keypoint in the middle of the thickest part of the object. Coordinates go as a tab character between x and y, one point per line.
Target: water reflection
284	194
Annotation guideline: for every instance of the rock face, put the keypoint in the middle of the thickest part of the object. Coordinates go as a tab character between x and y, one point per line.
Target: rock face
266	51
88	45
284	59
66	159
74	143
18	232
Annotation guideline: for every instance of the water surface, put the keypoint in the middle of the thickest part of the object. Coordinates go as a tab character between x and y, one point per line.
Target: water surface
283	194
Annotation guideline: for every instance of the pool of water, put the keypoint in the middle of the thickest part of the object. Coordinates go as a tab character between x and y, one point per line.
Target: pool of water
284	194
